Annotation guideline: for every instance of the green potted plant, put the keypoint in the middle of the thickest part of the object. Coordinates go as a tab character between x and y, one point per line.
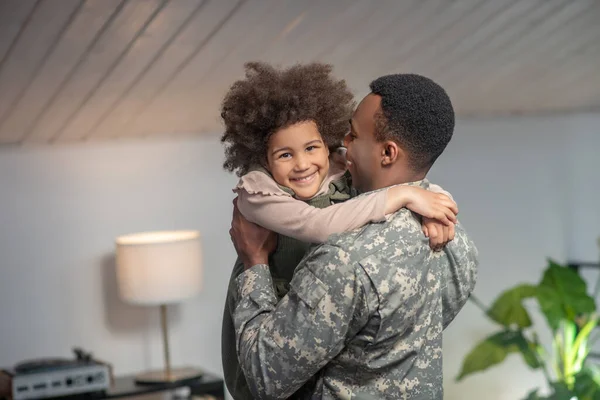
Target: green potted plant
571	316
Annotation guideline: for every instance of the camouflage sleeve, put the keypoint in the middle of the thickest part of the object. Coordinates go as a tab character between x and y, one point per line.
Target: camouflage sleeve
461	275
234	376
281	346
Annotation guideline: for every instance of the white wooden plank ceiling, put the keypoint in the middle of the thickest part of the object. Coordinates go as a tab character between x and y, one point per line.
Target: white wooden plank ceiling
73	70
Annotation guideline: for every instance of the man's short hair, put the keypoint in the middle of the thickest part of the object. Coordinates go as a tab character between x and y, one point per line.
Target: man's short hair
417	114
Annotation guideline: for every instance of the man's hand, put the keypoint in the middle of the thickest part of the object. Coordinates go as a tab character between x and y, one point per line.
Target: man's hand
253	243
439	234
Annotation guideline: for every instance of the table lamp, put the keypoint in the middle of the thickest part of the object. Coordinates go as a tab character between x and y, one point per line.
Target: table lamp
157	269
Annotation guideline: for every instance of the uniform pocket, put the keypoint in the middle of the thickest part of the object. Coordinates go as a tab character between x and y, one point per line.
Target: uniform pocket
308	287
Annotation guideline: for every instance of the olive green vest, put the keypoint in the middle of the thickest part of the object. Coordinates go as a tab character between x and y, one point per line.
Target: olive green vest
282	264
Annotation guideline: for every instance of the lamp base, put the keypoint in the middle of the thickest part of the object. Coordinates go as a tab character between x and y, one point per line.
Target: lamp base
161	376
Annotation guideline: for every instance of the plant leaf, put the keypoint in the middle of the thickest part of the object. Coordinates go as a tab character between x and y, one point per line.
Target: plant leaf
562	294
494	349
508	308
561	392
528	351
587	383
533	395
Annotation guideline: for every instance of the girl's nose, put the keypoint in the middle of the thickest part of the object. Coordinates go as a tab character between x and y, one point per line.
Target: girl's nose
302	163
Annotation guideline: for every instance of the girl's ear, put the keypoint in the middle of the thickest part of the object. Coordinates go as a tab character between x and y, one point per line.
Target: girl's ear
265	157
265	164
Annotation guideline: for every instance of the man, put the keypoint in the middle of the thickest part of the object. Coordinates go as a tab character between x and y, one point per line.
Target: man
366	310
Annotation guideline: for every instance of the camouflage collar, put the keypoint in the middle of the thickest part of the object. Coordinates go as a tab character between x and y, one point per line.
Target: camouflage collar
424	183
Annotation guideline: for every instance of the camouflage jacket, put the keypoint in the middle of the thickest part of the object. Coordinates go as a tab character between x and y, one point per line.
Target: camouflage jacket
365	314
282	263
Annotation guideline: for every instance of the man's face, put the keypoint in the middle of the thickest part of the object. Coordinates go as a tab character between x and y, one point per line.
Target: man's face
364	152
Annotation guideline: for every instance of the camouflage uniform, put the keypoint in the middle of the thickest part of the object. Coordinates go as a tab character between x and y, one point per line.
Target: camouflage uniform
364	314
282	263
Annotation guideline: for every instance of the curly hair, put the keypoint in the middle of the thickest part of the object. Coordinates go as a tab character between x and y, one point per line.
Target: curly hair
269	99
417	113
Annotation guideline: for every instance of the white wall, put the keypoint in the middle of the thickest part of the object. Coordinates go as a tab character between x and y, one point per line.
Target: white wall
526	192
584	207
60	210
527	189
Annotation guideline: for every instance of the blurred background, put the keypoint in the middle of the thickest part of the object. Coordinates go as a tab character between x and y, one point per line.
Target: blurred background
109	124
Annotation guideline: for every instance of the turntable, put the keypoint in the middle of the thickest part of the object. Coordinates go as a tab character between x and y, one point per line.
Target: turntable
55	377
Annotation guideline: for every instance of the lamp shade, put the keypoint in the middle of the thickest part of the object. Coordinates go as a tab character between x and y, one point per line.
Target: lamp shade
159	267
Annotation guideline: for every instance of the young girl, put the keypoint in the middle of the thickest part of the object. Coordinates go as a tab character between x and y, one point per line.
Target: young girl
281	126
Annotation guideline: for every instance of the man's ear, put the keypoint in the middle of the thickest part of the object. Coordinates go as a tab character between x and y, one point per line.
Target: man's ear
390	153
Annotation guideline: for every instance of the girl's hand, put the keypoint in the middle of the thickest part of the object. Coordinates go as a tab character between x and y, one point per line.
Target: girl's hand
439	234
437	209
436	206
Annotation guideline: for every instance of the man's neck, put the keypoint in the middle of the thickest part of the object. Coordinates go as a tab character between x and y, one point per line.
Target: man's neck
384	184
393	177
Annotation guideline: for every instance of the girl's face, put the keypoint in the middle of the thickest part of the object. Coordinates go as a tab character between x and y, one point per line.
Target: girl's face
298	158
